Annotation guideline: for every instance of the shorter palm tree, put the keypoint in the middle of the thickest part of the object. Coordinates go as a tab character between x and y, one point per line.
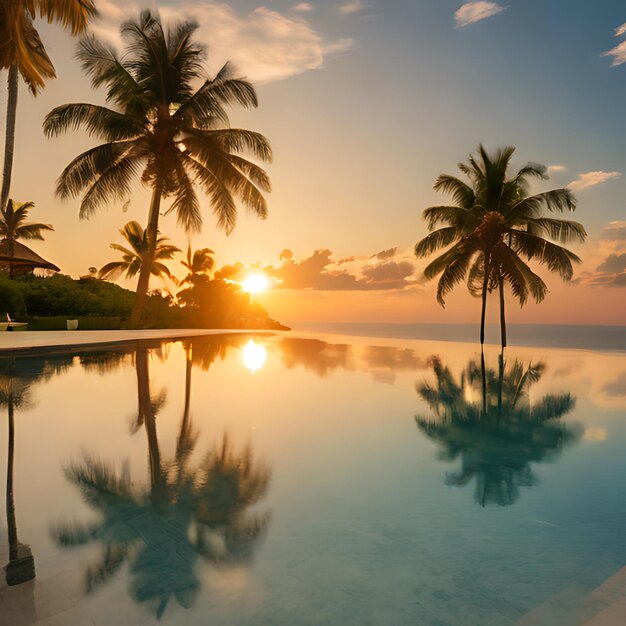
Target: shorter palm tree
198	265
134	256
496	229
14	226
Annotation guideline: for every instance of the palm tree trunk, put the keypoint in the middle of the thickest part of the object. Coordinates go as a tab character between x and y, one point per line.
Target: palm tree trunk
484	304
141	293
502	314
9	142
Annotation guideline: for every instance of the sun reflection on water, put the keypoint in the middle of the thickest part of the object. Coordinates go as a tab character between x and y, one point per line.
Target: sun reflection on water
254	356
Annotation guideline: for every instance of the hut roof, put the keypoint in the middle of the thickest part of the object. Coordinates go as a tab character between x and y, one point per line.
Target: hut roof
23	257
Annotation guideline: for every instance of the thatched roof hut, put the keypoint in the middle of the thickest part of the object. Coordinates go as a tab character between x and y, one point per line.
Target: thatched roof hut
23	258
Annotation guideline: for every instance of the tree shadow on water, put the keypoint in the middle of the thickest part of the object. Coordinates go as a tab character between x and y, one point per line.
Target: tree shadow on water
486	419
186	515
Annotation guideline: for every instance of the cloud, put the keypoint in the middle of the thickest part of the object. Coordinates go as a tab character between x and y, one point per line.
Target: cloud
472	12
618	52
351	7
617	387
556	169
615	231
389	275
611	272
303	7
264	45
324	358
591	179
614	263
385	254
320	272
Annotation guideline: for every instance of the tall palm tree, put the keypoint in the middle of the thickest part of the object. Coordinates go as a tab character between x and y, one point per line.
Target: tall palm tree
198	265
495	228
23	54
160	127
137	256
500	435
13	226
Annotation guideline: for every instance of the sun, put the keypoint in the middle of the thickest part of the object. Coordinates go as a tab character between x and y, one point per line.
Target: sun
255	283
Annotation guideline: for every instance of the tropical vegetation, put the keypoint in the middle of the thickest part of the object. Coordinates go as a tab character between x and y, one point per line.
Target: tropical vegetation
136	254
497	230
14	226
23	54
198	265
158	125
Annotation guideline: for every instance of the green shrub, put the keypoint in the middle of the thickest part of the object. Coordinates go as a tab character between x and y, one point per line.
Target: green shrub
59	322
11	298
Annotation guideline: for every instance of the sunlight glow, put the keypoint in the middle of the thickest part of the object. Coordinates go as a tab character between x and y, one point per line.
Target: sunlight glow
254	356
255	283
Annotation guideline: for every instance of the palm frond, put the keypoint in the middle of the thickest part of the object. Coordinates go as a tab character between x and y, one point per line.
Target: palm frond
556	258
461	192
556	200
563	231
85	169
435	241
100	121
462	218
74	15
112	183
453	274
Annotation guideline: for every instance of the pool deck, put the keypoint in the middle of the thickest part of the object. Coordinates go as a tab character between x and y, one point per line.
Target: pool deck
26	341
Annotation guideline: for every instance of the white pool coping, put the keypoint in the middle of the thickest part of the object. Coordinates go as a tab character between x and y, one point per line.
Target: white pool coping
32	340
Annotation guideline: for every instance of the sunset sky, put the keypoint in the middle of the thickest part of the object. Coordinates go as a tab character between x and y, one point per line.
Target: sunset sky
365	103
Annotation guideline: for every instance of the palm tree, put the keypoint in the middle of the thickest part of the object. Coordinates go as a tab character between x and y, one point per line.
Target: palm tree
198	265
22	53
175	137
493	230
136	256
500	435
13	226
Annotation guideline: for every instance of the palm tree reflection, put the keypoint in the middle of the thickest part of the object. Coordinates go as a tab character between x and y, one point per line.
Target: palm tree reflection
14	394
17	375
186	514
487	419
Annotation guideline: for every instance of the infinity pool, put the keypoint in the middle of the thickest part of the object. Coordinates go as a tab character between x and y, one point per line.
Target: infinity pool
252	480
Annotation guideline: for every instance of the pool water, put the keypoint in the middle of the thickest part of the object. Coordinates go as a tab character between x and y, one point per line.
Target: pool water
278	479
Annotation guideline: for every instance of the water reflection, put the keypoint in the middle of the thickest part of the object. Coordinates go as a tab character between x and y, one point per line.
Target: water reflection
487	420
323	358
188	512
21	566
254	356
